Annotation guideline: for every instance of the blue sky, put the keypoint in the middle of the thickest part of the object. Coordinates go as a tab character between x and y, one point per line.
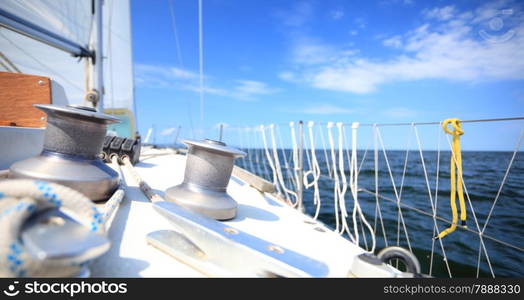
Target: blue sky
278	61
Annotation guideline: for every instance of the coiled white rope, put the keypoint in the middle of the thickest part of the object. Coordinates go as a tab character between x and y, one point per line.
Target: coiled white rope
314	170
21	198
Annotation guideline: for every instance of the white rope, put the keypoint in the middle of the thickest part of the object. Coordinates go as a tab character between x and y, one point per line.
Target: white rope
361	224
240	139
354	190
268	157
278	167
19	200
263	157
378	209
406	158
433	204
290	178
325	151
336	187
342	192
249	152
257	157
314	170
295	154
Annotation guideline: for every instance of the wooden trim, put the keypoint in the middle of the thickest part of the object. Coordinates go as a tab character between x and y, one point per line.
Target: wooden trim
18	93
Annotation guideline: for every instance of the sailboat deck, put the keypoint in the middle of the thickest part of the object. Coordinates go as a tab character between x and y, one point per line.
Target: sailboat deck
259	214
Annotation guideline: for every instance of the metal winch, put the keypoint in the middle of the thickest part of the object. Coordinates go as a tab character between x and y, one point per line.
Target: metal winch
72	143
208	169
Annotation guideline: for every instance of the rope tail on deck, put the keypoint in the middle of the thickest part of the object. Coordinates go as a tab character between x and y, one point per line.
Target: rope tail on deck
455	176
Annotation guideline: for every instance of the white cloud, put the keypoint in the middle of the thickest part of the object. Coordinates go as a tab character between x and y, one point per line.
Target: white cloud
324	109
394	41
154	76
451	50
440	13
360	22
297	16
395	2
287	76
353	32
337	14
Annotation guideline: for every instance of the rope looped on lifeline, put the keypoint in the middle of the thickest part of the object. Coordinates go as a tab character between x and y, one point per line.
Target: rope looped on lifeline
455	176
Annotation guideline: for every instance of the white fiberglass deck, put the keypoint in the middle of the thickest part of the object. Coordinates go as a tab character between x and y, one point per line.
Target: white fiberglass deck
258	214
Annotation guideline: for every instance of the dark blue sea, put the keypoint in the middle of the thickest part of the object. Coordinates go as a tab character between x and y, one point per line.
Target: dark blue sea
483	174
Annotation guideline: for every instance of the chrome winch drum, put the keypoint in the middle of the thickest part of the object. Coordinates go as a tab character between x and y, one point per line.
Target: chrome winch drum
72	143
208	169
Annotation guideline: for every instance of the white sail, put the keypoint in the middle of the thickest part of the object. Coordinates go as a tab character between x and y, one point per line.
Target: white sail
74	21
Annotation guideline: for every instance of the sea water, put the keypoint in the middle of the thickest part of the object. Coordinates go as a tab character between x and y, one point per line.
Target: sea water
483	173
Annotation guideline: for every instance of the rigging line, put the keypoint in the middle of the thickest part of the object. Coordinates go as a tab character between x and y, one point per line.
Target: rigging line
519	141
402	187
47	68
257	158
243	160
294	155
201	63
394	187
9	62
354	188
110	53
175	31
249	153
455	159
378	209
435	229
422	212
268	157
180	60
436	123
263	158
325	150
336	186
433	205
342	193
278	168
287	166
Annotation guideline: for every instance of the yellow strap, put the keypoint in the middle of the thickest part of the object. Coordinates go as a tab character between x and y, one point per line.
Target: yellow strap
456	176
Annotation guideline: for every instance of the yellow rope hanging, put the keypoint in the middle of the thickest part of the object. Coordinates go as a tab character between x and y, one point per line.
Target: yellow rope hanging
456	176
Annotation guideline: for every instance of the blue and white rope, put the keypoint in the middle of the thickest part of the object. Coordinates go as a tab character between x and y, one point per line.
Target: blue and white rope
19	199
